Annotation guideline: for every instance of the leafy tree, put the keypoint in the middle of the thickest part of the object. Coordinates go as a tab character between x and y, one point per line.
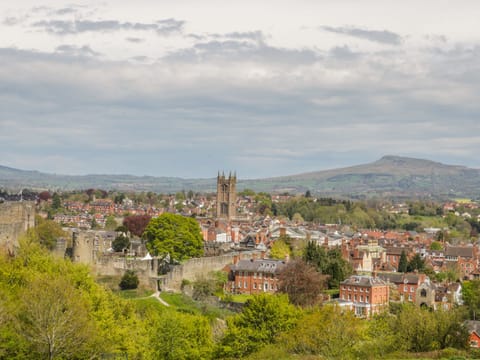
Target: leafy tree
110	223
263	318
121	242
280	250
136	224
176	336
172	234
416	264
471	297
129	280
326	332
302	283
436	246
420	330
56	201
203	288
328	262
403	262
53	319
46	232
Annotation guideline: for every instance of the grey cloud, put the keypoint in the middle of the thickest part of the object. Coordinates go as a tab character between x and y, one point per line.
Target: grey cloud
383	36
311	106
76	51
65	27
248	35
135	39
10	21
236	50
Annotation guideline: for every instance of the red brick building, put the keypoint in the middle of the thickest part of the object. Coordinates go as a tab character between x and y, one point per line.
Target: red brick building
254	276
365	295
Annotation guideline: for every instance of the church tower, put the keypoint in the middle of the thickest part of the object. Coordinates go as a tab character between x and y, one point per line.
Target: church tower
226	196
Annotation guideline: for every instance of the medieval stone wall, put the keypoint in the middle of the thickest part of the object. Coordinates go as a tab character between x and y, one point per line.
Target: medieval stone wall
15	219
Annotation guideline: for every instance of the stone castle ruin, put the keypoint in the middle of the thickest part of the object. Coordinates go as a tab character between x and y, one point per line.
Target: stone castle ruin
16	217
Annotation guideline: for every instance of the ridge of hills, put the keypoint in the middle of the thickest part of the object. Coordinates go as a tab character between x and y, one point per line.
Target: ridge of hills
391	176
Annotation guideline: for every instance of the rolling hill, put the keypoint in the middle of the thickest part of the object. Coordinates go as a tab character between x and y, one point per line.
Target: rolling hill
390	176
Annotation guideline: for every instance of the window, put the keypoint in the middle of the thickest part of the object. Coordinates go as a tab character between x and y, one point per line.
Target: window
409	297
367	299
254	285
358	311
423	293
412	289
254	275
349	297
354	297
265	286
361	298
239	284
405	288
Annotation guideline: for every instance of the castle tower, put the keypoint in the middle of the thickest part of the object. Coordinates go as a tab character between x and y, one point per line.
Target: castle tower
226	196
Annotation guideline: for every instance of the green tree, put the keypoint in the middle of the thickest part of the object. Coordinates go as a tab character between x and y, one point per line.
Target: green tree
403	262
53	319
436	246
176	336
416	264
121	242
328	262
280	250
110	223
46	232
176	235
263	318
129	280
56	201
327	332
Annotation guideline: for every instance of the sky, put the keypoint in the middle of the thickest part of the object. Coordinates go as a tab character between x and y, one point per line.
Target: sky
264	88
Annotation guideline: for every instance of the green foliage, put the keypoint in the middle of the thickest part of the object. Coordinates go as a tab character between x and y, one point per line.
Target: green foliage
436	245
46	232
120	242
263	318
110	223
177	336
56	201
129	280
172	234
416	264
328	262
471	297
420	330
280	250
325	332
403	262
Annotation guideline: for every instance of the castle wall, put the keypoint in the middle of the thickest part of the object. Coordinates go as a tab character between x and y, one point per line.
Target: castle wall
15	219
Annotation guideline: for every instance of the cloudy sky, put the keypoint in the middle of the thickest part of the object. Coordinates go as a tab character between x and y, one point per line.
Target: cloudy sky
187	88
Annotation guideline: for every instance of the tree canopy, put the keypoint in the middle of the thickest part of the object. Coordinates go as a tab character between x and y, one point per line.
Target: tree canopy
178	236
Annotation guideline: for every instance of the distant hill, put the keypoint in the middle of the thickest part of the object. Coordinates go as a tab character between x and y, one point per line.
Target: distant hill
391	176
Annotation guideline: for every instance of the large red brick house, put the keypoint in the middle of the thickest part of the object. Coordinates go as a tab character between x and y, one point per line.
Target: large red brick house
365	295
254	276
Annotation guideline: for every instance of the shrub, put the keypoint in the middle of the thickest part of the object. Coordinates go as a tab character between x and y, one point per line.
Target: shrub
129	280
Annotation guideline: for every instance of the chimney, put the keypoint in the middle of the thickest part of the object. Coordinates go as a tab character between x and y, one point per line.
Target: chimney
235	259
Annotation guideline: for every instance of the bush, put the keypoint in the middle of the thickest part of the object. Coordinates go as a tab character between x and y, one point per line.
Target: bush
129	280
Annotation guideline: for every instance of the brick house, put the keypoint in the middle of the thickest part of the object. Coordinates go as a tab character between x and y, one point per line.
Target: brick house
406	284
254	276
466	258
365	295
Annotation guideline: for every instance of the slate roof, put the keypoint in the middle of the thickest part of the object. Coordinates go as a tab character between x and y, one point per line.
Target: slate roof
461	251
359	280
400	278
263	266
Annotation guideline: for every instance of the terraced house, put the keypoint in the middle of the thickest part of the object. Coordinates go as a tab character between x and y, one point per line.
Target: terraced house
365	295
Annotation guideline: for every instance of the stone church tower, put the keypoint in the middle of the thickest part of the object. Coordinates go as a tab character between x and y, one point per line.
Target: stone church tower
226	196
